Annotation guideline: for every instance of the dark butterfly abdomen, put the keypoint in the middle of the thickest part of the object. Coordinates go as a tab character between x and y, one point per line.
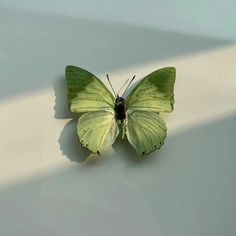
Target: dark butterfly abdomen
120	109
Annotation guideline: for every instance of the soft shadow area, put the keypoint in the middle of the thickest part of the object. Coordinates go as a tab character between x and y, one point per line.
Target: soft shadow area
124	150
188	188
36	47
70	145
68	140
61	106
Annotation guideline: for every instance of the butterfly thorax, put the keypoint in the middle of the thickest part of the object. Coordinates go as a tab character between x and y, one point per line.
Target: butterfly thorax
120	110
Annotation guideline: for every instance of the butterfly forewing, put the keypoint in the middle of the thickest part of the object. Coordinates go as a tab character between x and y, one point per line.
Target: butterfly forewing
154	93
86	92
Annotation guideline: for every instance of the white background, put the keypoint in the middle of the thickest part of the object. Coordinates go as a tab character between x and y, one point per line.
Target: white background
49	185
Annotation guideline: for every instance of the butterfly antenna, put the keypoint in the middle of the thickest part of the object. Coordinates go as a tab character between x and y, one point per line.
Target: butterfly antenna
111	85
128	85
123	85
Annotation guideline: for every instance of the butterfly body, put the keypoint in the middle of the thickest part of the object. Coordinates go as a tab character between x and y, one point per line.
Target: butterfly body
136	117
120	109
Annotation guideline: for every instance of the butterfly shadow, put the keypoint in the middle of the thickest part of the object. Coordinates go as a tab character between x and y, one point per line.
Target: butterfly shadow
70	145
68	139
124	150
60	106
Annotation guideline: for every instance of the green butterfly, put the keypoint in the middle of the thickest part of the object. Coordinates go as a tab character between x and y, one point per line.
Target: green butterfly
106	116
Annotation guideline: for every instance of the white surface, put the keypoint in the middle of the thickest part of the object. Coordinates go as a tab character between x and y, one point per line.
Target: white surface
202	17
186	188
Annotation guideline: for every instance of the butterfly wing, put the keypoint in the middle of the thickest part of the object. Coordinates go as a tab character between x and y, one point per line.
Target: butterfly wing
145	131
154	93
98	130
86	92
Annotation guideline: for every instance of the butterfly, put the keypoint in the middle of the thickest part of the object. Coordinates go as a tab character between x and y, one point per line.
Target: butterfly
106	116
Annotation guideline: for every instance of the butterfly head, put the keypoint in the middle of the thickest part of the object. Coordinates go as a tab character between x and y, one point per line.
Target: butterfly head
119	100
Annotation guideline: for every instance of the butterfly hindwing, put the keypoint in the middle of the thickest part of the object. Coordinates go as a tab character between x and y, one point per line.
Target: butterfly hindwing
154	93
145	131
98	130
86	92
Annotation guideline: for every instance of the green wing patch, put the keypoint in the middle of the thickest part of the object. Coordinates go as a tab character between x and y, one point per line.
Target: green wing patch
86	92
154	93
